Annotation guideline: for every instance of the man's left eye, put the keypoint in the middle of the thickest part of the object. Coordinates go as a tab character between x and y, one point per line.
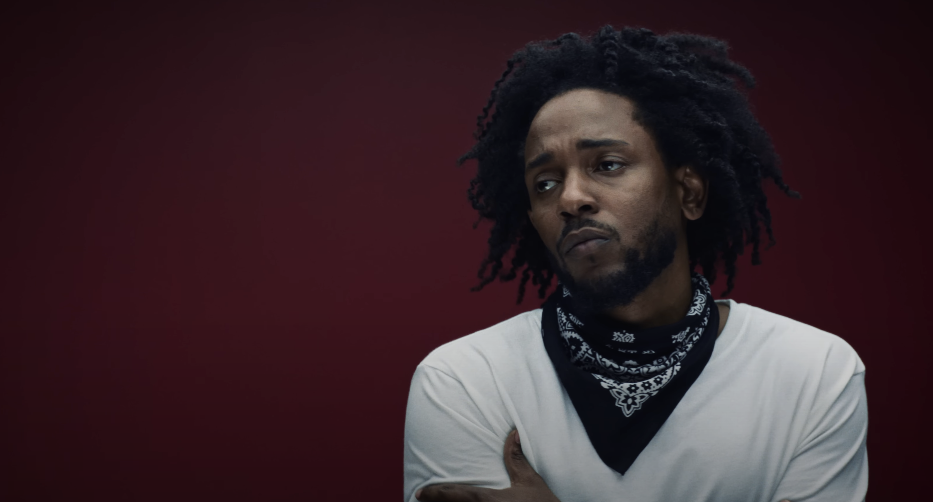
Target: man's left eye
610	165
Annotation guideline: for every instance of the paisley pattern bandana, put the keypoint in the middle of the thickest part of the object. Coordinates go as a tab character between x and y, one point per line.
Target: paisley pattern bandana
622	383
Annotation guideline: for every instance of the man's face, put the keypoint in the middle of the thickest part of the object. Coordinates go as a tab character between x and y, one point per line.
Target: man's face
602	201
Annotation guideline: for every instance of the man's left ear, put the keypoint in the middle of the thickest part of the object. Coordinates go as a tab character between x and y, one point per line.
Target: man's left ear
693	190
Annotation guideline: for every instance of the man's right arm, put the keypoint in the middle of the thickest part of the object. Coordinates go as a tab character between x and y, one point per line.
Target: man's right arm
831	464
452	434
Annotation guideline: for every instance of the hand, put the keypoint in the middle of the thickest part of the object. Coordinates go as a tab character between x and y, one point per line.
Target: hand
527	485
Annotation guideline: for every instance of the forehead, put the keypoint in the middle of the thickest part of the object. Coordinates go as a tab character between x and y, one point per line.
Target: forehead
583	113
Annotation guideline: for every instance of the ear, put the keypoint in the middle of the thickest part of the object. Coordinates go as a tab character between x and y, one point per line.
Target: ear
693	191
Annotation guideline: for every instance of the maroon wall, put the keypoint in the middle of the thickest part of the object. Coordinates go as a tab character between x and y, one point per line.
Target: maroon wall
229	233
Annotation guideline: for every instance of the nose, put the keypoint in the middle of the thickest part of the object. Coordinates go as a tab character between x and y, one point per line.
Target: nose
576	199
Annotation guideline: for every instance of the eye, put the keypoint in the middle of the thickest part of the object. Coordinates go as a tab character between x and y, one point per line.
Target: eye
610	165
545	185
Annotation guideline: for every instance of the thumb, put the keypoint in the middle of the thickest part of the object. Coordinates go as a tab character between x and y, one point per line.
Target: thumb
520	471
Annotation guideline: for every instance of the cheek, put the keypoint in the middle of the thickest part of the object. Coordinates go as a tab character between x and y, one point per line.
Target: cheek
634	210
631	206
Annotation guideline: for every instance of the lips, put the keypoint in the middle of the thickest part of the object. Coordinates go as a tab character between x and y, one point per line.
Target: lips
580	237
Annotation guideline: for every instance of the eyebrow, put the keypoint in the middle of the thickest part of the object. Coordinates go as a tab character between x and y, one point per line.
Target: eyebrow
544	158
583	144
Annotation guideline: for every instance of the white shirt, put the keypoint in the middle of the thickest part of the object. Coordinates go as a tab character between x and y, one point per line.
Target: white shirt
778	412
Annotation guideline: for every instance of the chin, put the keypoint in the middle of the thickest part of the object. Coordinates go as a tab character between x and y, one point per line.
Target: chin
588	273
601	288
597	286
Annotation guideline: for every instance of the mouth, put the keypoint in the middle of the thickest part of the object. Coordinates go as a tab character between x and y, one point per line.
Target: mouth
583	241
586	247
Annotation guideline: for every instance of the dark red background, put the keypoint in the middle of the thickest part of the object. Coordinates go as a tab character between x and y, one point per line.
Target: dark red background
230	232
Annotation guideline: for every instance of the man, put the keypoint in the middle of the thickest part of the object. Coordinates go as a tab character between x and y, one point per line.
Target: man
622	163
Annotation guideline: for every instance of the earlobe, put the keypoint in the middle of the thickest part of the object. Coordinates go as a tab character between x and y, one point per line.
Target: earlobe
694	189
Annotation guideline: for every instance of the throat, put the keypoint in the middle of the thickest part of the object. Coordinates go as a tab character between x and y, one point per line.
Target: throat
723	316
665	302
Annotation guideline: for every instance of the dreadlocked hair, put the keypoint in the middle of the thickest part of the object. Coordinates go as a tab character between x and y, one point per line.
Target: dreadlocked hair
686	93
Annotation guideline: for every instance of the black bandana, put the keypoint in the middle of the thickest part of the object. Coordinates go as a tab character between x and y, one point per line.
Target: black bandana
624	384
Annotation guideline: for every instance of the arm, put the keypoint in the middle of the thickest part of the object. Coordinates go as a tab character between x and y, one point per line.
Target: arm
452	434
527	485
453	451
831	463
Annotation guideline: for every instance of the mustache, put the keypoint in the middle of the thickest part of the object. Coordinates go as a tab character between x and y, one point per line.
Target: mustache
578	224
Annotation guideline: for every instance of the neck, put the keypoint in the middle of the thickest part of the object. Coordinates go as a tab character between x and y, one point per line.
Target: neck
665	301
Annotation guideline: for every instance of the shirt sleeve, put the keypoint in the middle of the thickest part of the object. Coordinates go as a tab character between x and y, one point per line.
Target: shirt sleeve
449	437
831	462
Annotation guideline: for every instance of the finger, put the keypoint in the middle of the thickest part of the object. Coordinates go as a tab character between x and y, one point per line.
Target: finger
520	471
449	492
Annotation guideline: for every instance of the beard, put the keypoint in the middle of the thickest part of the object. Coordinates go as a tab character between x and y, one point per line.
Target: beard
618	289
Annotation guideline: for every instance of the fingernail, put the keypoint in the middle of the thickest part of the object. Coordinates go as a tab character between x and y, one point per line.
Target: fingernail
517	439
418	494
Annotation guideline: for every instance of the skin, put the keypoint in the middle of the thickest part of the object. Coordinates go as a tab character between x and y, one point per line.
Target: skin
587	158
620	182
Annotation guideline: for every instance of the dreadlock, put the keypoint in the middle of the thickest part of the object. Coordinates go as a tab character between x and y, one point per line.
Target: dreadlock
686	94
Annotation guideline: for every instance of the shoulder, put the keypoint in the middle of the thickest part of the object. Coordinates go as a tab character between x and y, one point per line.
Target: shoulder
796	345
802	380
500	346
461	396
793	364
